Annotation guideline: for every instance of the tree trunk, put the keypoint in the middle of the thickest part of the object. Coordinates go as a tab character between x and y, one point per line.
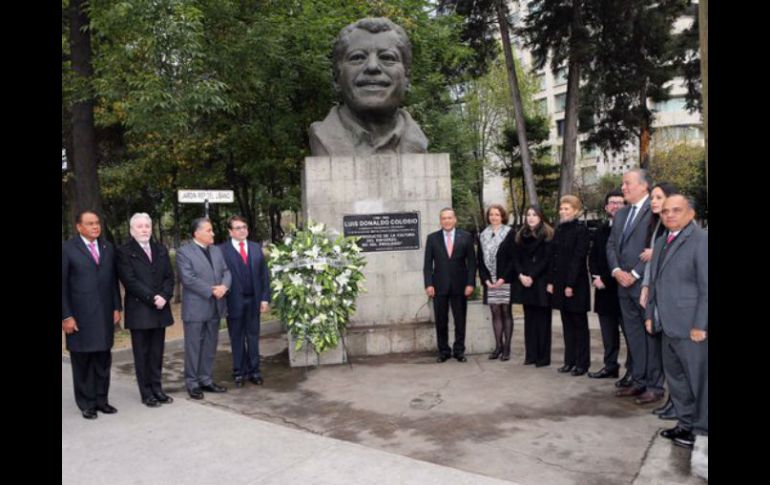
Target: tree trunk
644	130
84	155
569	148
518	107
703	23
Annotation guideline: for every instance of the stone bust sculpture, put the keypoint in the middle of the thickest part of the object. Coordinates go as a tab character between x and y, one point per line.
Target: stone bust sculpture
372	59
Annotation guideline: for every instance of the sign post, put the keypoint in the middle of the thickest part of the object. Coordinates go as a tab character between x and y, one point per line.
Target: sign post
206	197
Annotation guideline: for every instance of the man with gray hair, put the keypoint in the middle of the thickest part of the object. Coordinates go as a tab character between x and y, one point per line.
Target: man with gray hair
624	248
372	60
145	270
205	281
678	306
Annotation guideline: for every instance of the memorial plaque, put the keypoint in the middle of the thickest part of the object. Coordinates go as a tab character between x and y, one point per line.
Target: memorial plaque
393	231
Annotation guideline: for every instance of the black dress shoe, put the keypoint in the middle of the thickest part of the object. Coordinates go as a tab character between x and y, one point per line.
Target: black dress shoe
442	358
603	374
107	409
163	398
151	402
565	368
578	371
665	408
496	354
529	362
685	440
542	364
625	381
214	388
461	358
256	380
89	414
239	381
505	357
674	432
195	393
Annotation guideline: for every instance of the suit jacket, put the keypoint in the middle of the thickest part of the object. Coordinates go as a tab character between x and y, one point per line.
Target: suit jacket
504	267
143	280
625	254
679	287
605	301
531	259
449	276
568	253
90	293
260	277
198	276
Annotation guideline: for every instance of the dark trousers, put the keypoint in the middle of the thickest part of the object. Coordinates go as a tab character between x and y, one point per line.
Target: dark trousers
611	325
646	368
459	305
537	334
147	345
577	340
91	378
686	364
244	340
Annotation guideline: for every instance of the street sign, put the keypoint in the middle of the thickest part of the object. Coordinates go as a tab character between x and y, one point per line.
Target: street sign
210	196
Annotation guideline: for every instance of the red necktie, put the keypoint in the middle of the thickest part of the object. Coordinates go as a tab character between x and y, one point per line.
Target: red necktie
449	244
244	256
670	238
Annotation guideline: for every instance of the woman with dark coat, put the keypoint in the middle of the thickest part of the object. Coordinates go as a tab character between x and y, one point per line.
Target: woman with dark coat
569	287
531	264
495	263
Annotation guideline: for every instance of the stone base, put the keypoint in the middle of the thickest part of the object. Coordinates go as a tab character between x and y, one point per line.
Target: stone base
421	336
305	356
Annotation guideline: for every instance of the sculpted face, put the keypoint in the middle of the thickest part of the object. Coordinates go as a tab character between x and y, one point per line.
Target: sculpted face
372	77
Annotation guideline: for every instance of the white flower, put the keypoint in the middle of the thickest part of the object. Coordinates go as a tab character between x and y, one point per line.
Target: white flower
294	254
313	252
277	285
317	229
287	241
337	249
296	279
343	279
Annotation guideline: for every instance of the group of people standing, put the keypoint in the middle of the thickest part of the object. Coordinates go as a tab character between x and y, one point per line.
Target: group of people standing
228	280
648	265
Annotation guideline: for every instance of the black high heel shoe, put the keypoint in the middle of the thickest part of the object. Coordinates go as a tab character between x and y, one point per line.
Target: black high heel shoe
565	368
497	353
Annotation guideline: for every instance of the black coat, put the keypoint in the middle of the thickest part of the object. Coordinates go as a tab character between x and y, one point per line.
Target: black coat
505	265
142	281
605	301
449	276
90	294
531	259
568	254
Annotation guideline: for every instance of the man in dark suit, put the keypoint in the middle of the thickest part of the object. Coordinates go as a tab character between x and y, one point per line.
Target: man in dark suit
450	276
145	270
606	302
624	247
248	296
205	280
678	306
90	300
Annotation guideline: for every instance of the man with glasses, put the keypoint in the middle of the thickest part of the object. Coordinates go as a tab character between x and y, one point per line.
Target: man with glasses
249	295
606	302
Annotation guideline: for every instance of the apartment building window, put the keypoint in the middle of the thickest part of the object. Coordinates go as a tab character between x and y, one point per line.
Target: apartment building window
542	106
560	76
540	80
670	105
586	152
560	128
560	101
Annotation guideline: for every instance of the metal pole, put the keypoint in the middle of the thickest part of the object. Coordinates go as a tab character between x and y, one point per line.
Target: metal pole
206	207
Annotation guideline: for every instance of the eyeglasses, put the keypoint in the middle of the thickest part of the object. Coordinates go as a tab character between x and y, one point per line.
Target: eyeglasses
238	228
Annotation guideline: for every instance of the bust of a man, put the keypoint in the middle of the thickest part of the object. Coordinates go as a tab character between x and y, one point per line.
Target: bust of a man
372	60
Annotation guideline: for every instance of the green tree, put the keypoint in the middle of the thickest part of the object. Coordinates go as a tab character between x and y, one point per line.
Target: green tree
684	165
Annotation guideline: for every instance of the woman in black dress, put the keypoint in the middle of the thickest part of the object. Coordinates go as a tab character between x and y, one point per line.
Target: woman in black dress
569	287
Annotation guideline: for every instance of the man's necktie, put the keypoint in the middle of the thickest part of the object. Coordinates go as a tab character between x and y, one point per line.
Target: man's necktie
449	244
244	256
92	247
